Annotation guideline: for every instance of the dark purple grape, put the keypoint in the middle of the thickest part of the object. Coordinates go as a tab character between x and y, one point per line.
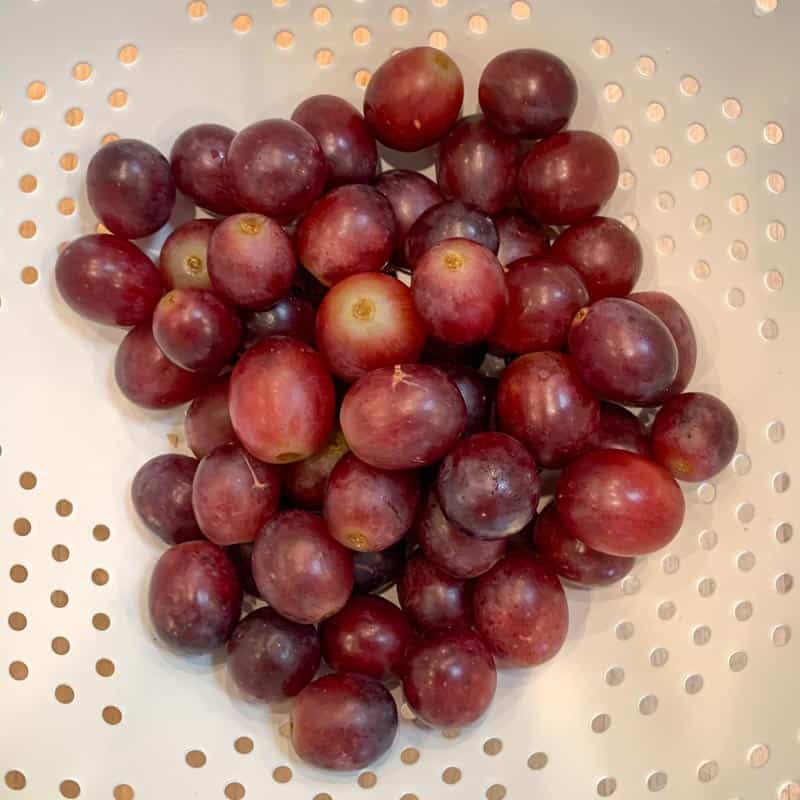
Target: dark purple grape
304	482
528	93
162	496
343	722
620	429
108	279
276	168
271	658
199	167
344	137
376	572
208	421
413	98
694	436
195	597
476	391
520	237
184	256
130	188
292	315
437	352
242	556
431	598
623	351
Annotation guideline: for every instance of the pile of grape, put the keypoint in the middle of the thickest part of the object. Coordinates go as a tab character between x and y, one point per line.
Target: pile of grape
345	437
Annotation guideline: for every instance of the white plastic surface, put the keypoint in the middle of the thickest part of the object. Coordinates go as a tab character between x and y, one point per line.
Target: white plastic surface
693	92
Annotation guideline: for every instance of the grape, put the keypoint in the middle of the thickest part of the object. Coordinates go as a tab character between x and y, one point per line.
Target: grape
619	429
402	417
368	321
271	658
376	572
566	178
449	548
369	636
409	194
349	230
344	137
195	597
292	315
544	296
234	495
250	261
208	421
282	400
200	170
433	599
368	508
520	237
196	330
459	289
476	392
413	98
184	255
300	570
108	279
542	402
672	314
521	610
623	351
449	220
242	556
571	558
477	164
488	486
437	352
304	482
450	679
694	436
343	722
162	496
528	93
605	253
147	377
130	188
619	503
276	168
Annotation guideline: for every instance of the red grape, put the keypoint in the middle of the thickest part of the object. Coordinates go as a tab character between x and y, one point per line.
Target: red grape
271	658
376	572
368	321
343	722
199	166
130	188
459	289
162	496
620	429
544	294
623	351
694	436
208	421
195	597
437	352
242	556
147	377
528	93
402	417
282	400
619	503
567	177
449	548
250	261
521	610
304	482
542	402
672	314
449	220
196	330
276	168
605	253
571	558
450	679
477	164
184	255
344	137
300	570
108	279
369	636
292	315
432	599
476	392
234	494
349	230
520	237
414	98
368	508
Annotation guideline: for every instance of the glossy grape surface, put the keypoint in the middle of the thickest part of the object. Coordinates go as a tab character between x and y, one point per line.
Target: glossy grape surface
304	482
520	237
183	260
208	421
620	429
376	572
433	599
476	391
293	315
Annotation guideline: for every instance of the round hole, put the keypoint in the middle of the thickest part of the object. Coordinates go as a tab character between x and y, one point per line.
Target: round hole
659	657
701	635
773	133
82	71
492	747
621	137
631	585
773	280
613	92
18	573
323	57
99	577
242	23
700	179
196	758
520	10
615	676
601	723
101	532
702	224
776	182
28	184
22	526
758	756
670	563
689	85
769	329
124	792
657	781
746	561
537	761
478	24
781	635
60	553
36	91
765	6
790	791
70	789
646	66
736	156
197	9
104	667
235	791
362	77
665	245
438	39
243	745
706	587
665	201
59	598
696	133
102	622
60	645
708	539
74	117
27	229
128	54
496	792
776	231
731	108
784	532
29	275
606	787
399	15
282	774
118	98
739	250
631	222
602	47
648	705
738	204
410	756
112	715
31	137
17	621
361	35
701	270
736	298
66	206
737	661
743	611
18	670
666	610
625	631
15	780
627	180
63	508
451	775
64	693
662	157
781	482
321	15
707	771
655	112
109	137
68	162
